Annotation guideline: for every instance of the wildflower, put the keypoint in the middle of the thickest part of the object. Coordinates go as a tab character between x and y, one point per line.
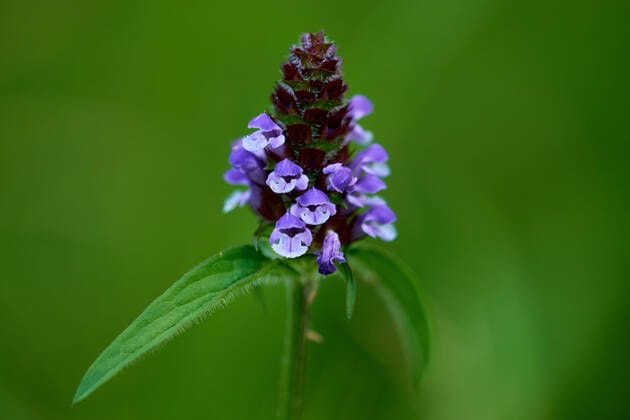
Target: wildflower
339	178
359	107
378	222
313	207
290	238
268	133
286	177
299	169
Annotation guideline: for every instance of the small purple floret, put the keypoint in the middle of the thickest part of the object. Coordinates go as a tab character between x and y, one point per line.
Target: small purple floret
359	107
247	163
290	238
371	160
339	177
330	253
313	207
378	222
268	134
286	177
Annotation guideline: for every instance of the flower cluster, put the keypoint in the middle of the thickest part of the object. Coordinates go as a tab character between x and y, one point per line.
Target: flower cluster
309	167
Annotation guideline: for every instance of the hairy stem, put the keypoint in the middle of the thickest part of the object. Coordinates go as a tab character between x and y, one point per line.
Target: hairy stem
300	294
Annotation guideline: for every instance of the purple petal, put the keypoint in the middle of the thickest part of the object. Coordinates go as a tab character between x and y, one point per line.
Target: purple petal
330	253
315	214
339	177
263	122
370	184
302	183
289	247
288	221
236	199
235	177
255	141
277	140
290	238
287	168
360	106
378	223
385	232
332	168
359	135
279	185
248	164
371	160
313	197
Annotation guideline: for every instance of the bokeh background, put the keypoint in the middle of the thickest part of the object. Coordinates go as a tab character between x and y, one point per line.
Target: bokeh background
507	124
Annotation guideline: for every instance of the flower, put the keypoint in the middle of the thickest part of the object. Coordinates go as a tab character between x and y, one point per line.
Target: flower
313	207
290	238
377	222
339	178
299	171
368	184
359	107
268	133
371	160
247	164
330	253
287	176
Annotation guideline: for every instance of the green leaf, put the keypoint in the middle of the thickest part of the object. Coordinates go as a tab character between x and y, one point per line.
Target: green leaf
351	289
204	289
397	286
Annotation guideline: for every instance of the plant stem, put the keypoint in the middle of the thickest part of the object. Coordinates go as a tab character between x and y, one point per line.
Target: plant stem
300	293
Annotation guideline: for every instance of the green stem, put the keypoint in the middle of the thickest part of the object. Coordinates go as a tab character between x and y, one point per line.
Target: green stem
300	293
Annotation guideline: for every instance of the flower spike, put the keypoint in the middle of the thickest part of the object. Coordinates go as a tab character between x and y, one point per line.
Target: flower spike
299	167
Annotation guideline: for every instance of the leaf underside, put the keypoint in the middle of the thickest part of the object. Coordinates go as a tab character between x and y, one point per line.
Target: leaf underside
201	291
396	285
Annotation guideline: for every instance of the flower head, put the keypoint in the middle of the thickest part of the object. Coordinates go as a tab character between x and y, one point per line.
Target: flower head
300	171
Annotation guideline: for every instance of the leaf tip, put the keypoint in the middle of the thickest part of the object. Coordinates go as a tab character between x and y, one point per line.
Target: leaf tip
79	395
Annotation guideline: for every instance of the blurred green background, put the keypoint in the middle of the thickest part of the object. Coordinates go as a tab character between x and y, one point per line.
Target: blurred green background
507	124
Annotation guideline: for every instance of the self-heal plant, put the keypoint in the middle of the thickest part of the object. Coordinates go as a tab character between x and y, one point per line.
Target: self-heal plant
312	174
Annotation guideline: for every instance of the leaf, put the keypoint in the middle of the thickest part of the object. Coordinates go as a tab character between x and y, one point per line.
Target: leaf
351	289
396	284
201	291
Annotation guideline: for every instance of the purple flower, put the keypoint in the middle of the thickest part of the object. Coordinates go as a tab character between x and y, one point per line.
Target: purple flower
359	135
290	238
248	164
295	169
287	176
371	160
268	134
359	107
235	177
339	177
369	184
313	207
330	253
377	222
236	199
